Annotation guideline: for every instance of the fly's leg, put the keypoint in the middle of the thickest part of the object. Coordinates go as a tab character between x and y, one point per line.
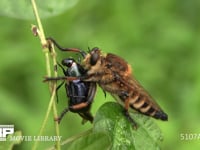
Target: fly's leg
51	40
47	79
126	113
124	95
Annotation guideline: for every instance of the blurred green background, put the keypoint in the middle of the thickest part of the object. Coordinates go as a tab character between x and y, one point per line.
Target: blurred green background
160	39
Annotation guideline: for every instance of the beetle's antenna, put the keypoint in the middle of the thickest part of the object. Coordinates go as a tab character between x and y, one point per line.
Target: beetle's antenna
66	49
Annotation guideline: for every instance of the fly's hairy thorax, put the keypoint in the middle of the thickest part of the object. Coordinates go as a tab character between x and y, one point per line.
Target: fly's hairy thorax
111	72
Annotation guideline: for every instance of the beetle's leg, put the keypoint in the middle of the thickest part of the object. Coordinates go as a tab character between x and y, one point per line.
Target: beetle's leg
63	69
61	115
58	87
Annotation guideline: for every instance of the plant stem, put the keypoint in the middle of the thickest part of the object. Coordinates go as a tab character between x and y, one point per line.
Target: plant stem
42	36
52	87
53	53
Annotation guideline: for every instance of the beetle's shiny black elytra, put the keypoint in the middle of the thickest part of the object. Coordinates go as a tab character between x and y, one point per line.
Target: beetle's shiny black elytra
79	93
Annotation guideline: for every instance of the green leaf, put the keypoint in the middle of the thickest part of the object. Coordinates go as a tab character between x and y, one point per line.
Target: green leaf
9	143
111	120
22	9
91	141
112	130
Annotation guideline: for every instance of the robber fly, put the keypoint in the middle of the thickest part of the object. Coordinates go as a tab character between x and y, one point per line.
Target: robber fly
113	74
80	93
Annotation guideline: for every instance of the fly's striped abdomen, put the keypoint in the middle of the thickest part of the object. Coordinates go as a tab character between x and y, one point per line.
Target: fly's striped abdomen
144	104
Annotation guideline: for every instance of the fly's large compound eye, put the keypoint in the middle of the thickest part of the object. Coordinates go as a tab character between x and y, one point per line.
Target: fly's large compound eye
94	56
67	62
